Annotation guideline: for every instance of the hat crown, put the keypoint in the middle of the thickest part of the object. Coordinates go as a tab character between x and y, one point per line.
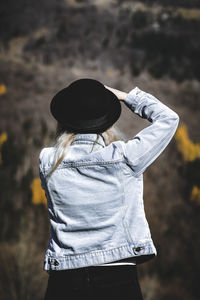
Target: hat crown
87	99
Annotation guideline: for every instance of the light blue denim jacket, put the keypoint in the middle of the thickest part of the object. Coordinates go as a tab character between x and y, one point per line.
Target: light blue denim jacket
95	196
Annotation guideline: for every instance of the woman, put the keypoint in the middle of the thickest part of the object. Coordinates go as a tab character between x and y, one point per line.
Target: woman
94	187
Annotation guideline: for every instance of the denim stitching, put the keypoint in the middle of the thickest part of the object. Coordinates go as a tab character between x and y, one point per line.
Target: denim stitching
123	201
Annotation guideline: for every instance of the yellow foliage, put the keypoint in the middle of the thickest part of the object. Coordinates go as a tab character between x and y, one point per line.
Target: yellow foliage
195	194
189	150
189	14
2	89
38	194
3	139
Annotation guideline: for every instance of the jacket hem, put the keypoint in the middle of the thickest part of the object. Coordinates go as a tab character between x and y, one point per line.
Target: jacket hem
144	251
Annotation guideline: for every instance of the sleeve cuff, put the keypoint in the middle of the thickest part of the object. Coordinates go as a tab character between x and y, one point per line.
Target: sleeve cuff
132	98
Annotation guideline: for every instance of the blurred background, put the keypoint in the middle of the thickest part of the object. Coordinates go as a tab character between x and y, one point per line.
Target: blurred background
47	44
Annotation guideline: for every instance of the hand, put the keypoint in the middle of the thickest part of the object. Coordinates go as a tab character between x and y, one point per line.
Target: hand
120	95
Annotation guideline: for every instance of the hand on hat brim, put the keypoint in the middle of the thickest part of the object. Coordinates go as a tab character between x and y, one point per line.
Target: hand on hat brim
120	95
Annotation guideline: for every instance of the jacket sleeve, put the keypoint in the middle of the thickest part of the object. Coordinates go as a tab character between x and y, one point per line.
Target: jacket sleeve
41	176
147	145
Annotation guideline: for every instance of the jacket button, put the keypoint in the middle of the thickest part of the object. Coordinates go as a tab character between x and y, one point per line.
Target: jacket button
138	249
56	263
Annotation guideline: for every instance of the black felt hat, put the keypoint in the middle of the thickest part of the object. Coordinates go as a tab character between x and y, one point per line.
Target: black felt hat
85	106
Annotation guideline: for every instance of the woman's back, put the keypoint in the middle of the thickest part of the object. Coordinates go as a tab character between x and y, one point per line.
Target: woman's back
95	195
94	191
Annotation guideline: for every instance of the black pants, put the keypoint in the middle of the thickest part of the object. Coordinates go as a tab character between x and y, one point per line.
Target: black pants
105	282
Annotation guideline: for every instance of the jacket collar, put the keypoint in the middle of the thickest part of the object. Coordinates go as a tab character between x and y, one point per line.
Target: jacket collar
84	137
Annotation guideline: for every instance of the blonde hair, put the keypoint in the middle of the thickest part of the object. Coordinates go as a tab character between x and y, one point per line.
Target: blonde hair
64	139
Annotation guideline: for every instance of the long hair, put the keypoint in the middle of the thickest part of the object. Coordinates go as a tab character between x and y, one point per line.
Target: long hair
64	139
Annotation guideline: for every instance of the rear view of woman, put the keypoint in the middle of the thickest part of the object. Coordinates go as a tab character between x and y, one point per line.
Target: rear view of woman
93	182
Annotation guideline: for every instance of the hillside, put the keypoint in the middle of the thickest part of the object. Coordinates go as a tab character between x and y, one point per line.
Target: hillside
46	45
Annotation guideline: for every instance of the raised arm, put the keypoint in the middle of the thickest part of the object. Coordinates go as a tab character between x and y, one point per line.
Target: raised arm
147	145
